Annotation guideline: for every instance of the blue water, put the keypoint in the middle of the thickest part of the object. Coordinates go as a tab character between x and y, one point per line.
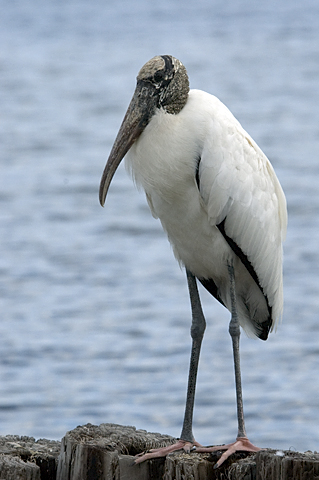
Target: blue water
94	309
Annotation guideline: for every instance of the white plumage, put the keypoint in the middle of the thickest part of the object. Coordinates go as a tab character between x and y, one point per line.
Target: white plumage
236	181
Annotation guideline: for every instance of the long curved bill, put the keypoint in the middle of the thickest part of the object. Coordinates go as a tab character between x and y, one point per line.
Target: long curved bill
138	114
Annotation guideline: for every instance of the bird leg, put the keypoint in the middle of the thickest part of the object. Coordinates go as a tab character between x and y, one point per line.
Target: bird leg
197	334
234	331
242	443
187	442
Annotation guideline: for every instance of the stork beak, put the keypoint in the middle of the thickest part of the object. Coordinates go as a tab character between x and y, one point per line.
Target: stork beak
139	113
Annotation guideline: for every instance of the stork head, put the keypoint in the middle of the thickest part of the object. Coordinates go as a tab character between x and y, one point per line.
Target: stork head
161	83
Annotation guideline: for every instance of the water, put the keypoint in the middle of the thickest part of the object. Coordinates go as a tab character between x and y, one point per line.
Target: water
94	309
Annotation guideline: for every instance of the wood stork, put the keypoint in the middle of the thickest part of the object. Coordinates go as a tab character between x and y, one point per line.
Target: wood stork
221	205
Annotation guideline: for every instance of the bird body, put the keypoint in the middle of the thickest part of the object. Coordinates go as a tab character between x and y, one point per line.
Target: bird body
221	205
198	168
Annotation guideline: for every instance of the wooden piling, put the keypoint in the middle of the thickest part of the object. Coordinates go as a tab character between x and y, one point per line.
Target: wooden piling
106	452
24	458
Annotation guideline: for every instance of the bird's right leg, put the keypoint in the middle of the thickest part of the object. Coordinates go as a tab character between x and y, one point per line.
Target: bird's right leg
242	444
186	441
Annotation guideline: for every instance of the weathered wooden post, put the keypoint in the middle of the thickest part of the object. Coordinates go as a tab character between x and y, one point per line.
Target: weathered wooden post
287	465
107	452
24	458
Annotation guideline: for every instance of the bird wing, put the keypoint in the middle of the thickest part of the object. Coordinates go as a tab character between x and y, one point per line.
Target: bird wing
241	192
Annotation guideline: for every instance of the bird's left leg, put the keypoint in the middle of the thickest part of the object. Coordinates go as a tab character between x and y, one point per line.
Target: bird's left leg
242	443
186	442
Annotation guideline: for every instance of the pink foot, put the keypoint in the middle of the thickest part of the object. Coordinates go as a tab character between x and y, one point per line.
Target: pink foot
242	444
162	452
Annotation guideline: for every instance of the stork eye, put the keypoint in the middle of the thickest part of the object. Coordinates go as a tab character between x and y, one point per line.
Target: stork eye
158	76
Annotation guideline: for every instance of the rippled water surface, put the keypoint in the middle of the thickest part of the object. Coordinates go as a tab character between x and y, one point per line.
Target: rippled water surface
94	309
